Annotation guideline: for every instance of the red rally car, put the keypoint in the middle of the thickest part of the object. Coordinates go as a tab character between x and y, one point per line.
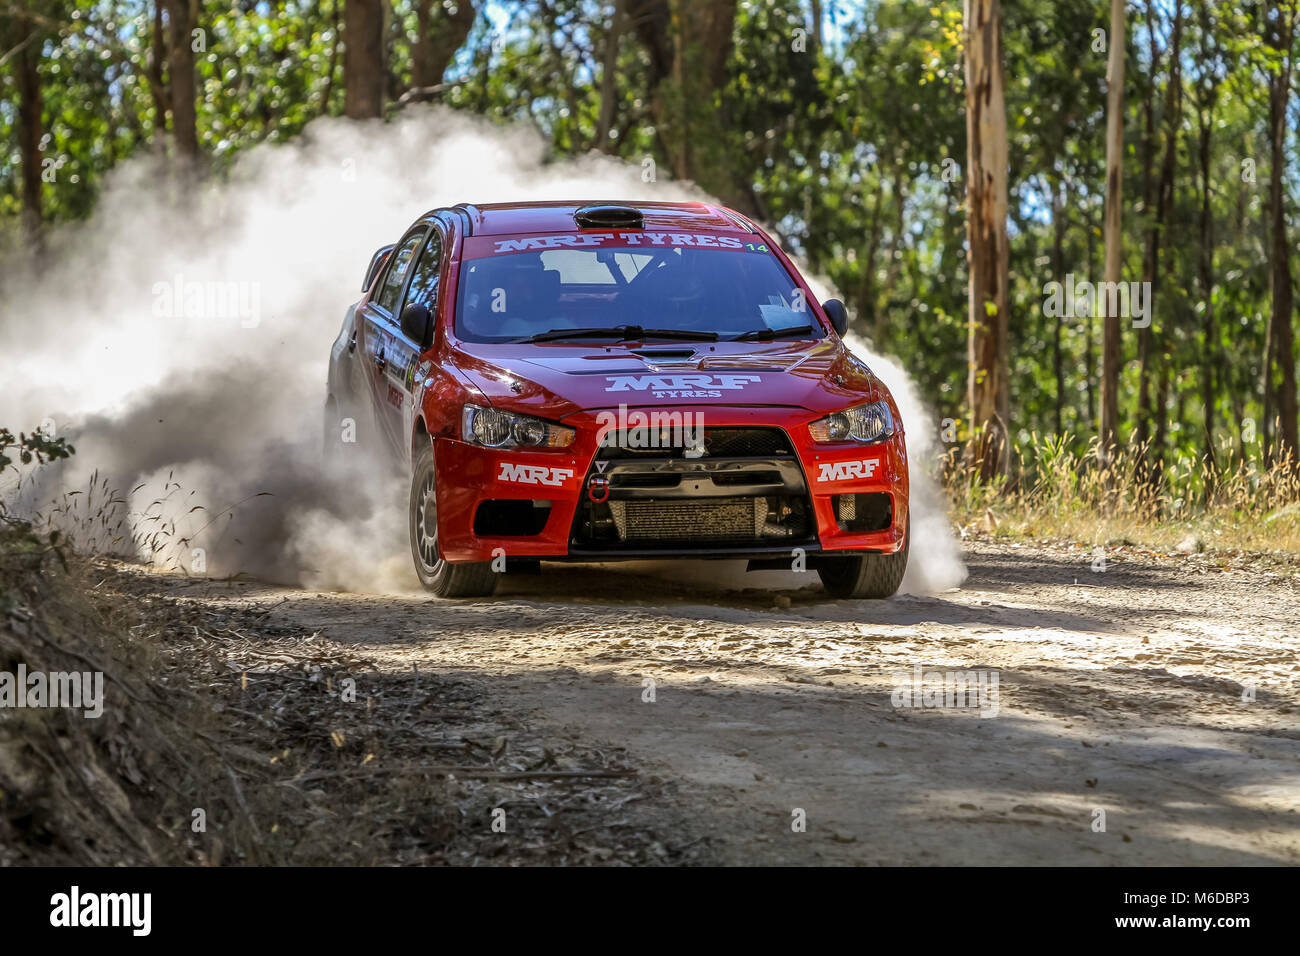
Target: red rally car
593	382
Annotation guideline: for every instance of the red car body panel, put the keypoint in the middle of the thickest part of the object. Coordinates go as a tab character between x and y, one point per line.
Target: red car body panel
786	384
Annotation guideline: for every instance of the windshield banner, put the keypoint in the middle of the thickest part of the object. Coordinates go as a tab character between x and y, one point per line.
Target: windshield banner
478	247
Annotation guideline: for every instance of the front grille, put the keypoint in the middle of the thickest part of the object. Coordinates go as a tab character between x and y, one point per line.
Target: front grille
717	519
745	442
745	491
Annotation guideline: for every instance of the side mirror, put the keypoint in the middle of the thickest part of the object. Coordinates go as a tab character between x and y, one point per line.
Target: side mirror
838	315
417	324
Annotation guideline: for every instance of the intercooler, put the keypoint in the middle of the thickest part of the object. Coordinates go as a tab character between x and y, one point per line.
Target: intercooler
709	519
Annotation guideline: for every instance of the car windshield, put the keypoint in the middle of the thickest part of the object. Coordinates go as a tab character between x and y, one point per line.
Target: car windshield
632	292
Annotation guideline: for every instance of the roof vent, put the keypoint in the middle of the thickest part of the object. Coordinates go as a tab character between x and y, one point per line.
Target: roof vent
608	217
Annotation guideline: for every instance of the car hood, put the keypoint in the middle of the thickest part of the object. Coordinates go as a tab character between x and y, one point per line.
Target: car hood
557	379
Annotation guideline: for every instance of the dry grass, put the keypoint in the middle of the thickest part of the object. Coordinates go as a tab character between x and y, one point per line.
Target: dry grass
1055	493
119	788
102	521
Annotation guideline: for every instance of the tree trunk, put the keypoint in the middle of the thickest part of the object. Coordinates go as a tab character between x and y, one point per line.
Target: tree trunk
1089	363
181	81
1110	348
1267	394
689	43
364	60
1151	254
30	131
1281	36
1157	467
328	92
895	261
867	310
1164	228
1209	354
1060	202
422	72
609	81
157	86
987	388
436	45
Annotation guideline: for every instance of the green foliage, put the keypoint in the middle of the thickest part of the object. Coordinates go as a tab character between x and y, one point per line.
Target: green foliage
36	447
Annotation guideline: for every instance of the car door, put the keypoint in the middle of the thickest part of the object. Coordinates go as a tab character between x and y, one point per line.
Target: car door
383	336
404	352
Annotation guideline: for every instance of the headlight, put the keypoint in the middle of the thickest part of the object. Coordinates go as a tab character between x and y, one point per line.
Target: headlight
494	428
864	423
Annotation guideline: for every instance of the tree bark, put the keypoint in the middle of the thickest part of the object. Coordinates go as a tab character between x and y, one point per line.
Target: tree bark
1110	348
609	80
1089	352
1060	202
435	46
1164	227
895	260
30	131
1281	34
1151	254
335	29
689	43
157	86
181	81
1208	84
867	310
987	387
364	59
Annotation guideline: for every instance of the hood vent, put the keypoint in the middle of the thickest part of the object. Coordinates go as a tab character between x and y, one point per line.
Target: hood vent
664	355
608	217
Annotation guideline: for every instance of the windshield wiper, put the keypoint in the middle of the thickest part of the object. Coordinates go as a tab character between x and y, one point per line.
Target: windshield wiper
622	333
764	334
693	334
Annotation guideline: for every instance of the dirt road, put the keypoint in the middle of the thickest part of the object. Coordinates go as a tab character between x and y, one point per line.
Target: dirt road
1159	698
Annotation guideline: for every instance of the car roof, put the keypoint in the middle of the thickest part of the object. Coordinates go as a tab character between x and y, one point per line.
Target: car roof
499	219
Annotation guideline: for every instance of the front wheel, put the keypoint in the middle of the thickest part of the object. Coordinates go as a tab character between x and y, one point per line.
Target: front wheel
467	579
867	575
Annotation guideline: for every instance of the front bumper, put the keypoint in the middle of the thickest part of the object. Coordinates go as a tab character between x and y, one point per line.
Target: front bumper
738	499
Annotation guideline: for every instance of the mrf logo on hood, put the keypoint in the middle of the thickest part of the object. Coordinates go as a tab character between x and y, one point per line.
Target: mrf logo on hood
680	386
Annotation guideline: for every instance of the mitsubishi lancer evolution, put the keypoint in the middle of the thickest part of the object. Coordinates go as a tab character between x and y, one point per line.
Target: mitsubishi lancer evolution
568	381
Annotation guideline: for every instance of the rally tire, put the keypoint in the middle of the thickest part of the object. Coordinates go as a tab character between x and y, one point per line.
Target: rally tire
873	576
443	578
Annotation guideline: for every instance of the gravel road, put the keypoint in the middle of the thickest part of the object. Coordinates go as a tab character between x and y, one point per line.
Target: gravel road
1142	714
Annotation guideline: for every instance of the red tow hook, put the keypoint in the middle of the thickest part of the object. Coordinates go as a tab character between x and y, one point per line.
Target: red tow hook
598	488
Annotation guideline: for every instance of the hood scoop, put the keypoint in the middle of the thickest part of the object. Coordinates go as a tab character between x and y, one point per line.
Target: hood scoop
665	355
